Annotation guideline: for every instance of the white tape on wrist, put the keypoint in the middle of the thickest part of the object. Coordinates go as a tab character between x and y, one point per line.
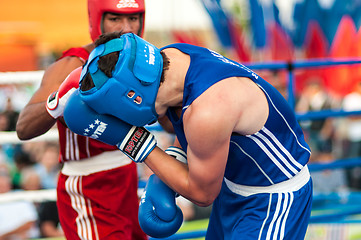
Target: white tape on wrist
138	143
177	153
55	105
52	104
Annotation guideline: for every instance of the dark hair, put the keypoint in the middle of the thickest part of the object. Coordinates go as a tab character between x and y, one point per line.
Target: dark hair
23	158
166	63
107	63
106	37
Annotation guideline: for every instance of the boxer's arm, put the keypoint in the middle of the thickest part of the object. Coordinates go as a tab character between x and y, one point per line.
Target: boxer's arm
34	120
166	124
200	180
208	127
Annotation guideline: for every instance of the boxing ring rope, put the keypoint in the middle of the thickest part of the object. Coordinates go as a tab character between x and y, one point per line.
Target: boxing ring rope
340	205
301	64
338	163
12	138
32	196
20	78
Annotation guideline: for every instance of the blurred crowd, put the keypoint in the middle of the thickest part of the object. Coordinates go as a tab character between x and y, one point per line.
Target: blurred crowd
330	139
27	166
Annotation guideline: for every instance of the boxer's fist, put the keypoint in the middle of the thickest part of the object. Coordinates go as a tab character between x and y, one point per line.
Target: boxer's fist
135	142
159	216
56	101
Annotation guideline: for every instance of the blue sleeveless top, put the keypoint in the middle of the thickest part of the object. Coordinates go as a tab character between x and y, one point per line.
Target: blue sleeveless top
275	153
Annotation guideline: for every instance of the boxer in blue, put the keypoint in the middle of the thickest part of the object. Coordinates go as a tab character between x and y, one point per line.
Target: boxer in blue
245	150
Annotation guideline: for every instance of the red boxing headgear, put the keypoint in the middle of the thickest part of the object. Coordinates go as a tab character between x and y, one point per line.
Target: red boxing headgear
97	8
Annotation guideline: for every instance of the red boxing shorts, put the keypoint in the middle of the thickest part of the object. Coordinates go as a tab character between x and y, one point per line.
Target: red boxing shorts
102	205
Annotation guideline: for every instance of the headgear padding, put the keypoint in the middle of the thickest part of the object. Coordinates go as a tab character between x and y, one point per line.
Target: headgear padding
138	70
97	8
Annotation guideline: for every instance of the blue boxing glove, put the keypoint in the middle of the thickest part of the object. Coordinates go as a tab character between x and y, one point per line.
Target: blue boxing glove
135	142
159	216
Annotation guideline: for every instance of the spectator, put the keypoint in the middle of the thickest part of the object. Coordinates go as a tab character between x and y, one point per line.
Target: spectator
4	122
49	224
320	131
11	114
30	179
352	102
48	166
17	219
22	160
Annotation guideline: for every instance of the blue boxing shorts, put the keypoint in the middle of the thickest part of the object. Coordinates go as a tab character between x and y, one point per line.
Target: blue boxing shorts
279	211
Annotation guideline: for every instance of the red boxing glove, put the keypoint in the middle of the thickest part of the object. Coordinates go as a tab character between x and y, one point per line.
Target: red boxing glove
57	100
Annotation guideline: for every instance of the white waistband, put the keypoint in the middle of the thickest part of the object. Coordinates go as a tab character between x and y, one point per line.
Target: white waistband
102	162
291	185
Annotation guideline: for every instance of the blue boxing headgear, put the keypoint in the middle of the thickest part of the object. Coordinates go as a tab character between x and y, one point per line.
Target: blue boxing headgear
136	76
